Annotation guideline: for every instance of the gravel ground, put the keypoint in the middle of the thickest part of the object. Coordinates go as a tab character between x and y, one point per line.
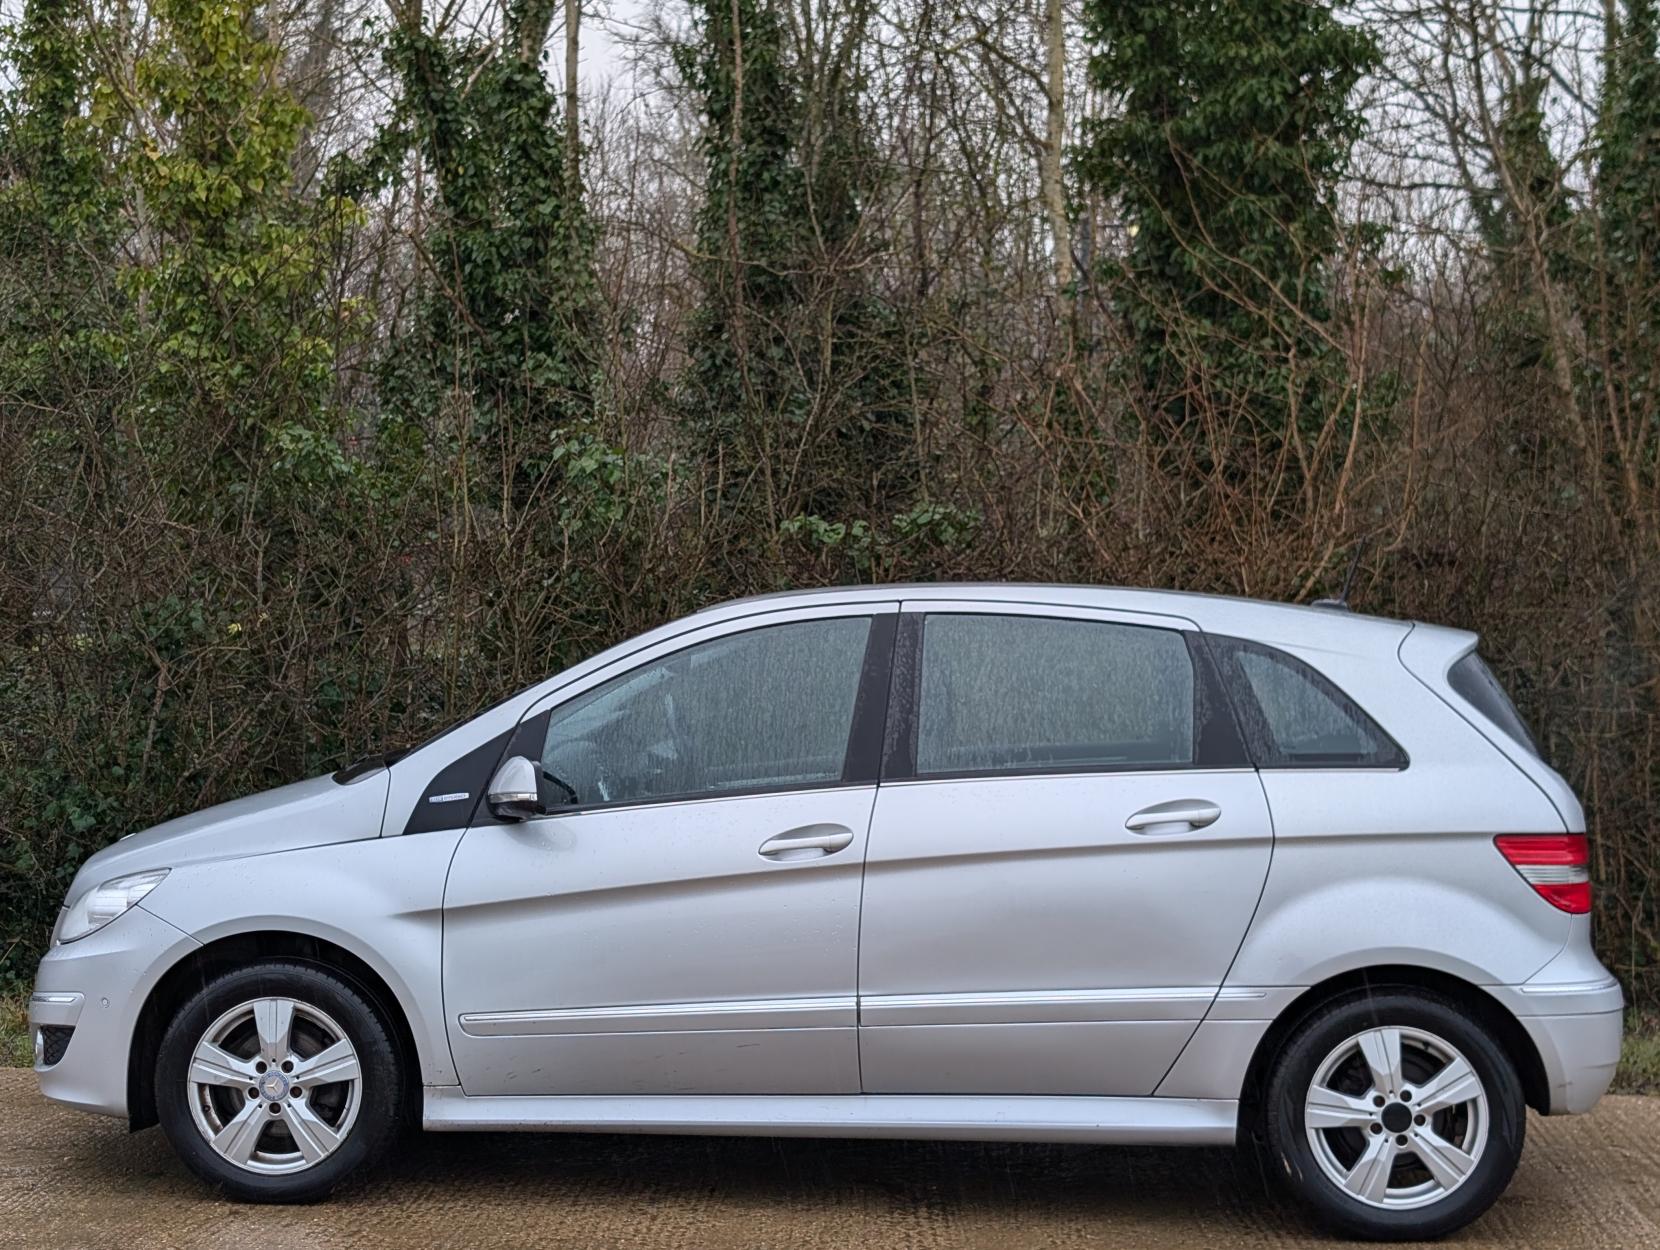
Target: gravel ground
70	1180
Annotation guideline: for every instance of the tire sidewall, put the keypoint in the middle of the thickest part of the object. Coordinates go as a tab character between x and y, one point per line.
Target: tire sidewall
378	1109
1328	1028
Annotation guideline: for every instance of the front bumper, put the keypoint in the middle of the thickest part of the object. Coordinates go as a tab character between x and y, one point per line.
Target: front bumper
95	988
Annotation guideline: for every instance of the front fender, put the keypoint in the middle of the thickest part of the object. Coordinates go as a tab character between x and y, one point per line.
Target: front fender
380	899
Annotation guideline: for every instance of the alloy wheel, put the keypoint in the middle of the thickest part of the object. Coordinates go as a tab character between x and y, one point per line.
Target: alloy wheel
275	1085
1397	1117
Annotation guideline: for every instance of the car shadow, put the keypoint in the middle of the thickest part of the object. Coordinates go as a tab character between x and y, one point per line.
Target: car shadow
85	1181
968	1177
563	1168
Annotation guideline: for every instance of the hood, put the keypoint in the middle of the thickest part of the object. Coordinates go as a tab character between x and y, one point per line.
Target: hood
308	813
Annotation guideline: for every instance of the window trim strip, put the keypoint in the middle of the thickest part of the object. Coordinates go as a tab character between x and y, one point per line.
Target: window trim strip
904	691
862	760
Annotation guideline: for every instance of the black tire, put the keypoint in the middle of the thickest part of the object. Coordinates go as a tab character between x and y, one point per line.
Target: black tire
379	1106
1329	1027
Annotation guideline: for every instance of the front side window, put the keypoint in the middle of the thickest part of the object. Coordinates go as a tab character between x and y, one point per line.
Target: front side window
764	709
1292	717
1037	694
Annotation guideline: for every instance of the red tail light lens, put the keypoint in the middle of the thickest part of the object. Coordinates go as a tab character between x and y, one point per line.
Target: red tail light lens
1555	865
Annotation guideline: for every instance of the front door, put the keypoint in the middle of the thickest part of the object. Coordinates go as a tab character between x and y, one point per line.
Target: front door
686	919
1066	852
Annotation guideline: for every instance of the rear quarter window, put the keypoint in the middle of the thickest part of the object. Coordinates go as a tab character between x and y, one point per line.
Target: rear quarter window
1293	717
1475	683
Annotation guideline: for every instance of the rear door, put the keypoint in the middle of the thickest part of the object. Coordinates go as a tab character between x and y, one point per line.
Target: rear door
1066	851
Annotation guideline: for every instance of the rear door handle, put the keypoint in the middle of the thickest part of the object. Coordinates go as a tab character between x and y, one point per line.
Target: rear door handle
807	842
1194	813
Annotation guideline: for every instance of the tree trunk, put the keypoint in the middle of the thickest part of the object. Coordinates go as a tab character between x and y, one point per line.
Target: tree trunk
573	136
1049	172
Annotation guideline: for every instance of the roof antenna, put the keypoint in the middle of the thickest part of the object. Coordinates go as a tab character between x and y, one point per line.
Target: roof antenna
1341	602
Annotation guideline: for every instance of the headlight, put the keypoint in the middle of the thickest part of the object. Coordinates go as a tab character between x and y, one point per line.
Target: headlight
102	904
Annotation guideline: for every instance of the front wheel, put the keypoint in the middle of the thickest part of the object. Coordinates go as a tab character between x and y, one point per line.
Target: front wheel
1395	1115
277	1081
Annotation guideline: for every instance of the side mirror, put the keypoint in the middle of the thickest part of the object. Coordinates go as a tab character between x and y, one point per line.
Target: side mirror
514	794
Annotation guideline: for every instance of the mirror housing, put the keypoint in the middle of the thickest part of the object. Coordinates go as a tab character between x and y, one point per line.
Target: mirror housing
514	792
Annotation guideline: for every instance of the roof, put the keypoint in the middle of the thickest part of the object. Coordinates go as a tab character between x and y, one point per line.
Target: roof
1291	624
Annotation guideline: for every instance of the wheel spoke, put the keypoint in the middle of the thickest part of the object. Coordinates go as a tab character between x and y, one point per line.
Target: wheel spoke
333	1063
1326	1108
238	1140
1369	1178
274	1020
1445	1161
1453	1084
1381	1048
316	1140
214	1065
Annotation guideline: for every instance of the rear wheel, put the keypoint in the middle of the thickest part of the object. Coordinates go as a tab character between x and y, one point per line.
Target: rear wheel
278	1081
1395	1115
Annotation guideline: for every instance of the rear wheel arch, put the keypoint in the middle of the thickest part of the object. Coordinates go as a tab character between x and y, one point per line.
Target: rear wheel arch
1506	1029
196	969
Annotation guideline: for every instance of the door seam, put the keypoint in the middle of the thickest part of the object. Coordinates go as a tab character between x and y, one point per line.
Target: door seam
1262	893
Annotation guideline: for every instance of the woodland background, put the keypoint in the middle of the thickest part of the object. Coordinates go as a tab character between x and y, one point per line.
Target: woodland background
361	362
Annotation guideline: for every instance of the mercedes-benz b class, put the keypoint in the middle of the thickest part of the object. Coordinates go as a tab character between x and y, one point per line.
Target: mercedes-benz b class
982	862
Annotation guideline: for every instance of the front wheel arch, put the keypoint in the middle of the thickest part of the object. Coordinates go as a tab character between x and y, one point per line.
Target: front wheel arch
214	959
1523	1054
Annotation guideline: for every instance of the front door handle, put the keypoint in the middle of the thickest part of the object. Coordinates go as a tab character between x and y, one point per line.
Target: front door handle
1194	813
807	842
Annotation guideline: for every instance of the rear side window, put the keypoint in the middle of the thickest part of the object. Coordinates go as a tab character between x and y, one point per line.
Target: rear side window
1475	684
1045	694
1292	717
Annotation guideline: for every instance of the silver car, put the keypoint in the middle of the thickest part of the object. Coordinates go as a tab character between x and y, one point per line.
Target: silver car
1031	863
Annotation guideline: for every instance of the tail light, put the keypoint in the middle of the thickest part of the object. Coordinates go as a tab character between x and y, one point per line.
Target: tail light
1555	865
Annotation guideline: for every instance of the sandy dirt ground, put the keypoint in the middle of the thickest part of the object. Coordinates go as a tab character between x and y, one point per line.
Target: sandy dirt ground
70	1180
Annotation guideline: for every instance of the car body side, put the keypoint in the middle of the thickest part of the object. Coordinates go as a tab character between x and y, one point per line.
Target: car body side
1374	874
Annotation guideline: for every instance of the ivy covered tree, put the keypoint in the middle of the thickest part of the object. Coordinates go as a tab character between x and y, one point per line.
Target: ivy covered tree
231	326
1622	310
230	305
752	223
1233	126
1525	206
1628	164
47	161
56	230
793	396
506	318
218	320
